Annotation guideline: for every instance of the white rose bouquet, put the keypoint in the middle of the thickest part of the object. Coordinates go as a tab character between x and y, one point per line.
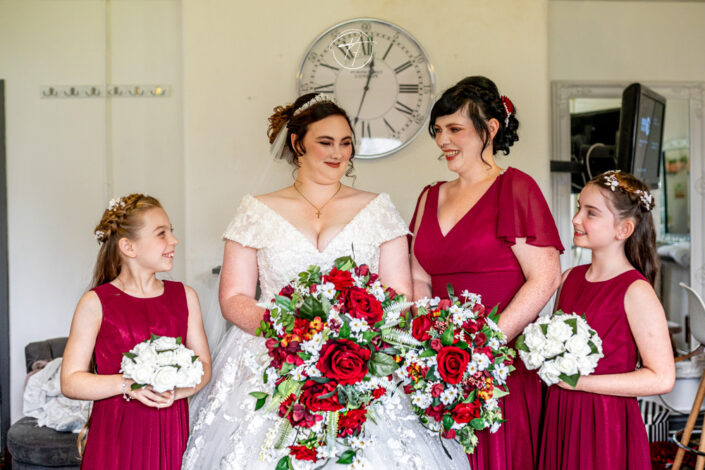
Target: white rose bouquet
562	346
162	362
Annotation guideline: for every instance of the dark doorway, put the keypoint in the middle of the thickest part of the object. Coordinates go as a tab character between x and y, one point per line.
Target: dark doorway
4	298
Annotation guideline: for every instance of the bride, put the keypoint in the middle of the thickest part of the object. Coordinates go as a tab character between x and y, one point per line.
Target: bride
273	237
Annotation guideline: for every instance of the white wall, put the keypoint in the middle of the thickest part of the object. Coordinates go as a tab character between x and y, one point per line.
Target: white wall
59	151
240	62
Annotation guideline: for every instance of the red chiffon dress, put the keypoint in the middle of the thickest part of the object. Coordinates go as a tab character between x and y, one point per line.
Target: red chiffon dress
476	254
582	430
130	435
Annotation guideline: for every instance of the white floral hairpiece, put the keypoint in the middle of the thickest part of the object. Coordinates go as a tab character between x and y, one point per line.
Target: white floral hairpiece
100	236
115	203
611	179
645	199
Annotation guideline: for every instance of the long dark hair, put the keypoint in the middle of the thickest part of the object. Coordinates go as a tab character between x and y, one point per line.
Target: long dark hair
630	198
480	96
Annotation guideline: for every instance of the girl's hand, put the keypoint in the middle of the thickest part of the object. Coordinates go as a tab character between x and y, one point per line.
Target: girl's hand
569	387
148	397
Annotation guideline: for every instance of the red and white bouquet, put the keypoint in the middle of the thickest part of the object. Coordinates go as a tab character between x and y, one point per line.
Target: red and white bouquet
334	340
562	346
162	362
455	378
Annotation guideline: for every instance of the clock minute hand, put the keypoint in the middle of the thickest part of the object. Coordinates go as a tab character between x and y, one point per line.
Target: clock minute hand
366	89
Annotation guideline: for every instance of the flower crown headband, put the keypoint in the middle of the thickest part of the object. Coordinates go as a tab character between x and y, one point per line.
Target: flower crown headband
646	200
114	204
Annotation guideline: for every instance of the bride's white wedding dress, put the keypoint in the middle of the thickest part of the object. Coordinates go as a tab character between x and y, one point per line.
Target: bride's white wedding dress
227	433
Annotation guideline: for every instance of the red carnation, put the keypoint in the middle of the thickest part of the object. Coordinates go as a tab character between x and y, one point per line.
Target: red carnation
304	453
351	422
343	361
452	362
341	279
378	392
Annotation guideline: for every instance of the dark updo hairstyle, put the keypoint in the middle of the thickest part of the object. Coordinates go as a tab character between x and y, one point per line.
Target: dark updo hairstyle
630	199
480	96
298	116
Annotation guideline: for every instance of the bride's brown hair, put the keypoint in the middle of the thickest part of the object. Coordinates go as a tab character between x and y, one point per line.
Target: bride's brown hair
297	117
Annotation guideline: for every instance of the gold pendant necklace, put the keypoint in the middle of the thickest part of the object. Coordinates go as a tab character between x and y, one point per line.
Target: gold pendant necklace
319	209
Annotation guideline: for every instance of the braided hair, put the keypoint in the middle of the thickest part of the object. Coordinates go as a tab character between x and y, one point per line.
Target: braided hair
630	199
122	219
483	102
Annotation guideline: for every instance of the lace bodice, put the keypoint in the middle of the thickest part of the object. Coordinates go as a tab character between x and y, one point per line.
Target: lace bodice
283	251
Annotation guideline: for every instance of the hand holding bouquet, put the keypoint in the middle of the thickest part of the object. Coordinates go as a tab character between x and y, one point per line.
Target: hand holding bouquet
562	346
460	370
162	362
334	343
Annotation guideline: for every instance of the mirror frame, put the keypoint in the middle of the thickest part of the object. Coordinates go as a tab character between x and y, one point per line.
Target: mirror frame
561	94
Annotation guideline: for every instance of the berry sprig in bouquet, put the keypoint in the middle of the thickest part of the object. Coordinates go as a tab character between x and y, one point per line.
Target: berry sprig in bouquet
334	339
456	377
162	362
562	346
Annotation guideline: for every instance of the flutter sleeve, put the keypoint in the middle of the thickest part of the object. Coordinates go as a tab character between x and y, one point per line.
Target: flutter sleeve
246	227
524	213
386	221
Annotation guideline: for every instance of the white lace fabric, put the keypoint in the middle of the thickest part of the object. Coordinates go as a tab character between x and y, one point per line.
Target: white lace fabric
226	432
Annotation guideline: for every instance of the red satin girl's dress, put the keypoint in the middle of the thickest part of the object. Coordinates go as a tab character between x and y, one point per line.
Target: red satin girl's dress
129	435
476	254
589	431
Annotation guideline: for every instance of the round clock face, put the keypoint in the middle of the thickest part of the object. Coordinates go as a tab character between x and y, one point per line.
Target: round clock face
379	74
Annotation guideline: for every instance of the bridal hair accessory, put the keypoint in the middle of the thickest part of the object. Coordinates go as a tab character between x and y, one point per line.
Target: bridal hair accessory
278	149
114	204
508	109
645	199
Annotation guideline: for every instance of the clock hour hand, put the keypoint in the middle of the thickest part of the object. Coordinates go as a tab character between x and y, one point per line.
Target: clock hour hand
365	90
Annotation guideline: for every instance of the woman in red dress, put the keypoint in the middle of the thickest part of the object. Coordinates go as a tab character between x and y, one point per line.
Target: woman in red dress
489	231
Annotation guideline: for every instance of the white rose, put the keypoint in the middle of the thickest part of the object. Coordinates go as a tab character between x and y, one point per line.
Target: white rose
578	345
532	360
585	365
552	348
534	338
549	373
183	357
166	358
558	330
567	364
141	373
597	341
164	342
190	376
145	353
583	328
164	379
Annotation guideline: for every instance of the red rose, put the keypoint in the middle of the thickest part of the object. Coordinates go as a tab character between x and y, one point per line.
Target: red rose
444	303
343	361
303	453
362	270
360	304
311	396
435	412
420	327
472	326
480	339
452	362
351	422
286	291
436	390
466	412
341	279
373	277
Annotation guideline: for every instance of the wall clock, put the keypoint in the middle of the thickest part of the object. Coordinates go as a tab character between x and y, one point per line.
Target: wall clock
379	74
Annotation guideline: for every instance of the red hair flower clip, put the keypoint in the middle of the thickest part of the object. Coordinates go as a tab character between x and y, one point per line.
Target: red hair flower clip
508	109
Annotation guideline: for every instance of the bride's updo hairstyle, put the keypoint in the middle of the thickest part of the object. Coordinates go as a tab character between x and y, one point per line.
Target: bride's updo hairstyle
480	98
296	118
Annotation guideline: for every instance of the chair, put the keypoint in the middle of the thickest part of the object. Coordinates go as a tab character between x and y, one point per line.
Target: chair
696	309
42	448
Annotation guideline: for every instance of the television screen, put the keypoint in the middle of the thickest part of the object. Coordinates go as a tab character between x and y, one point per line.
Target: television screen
641	133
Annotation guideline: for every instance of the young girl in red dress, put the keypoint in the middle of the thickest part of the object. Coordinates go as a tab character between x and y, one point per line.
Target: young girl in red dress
126	305
597	425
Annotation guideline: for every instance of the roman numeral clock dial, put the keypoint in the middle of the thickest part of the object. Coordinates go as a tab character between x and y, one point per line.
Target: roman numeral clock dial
379	74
